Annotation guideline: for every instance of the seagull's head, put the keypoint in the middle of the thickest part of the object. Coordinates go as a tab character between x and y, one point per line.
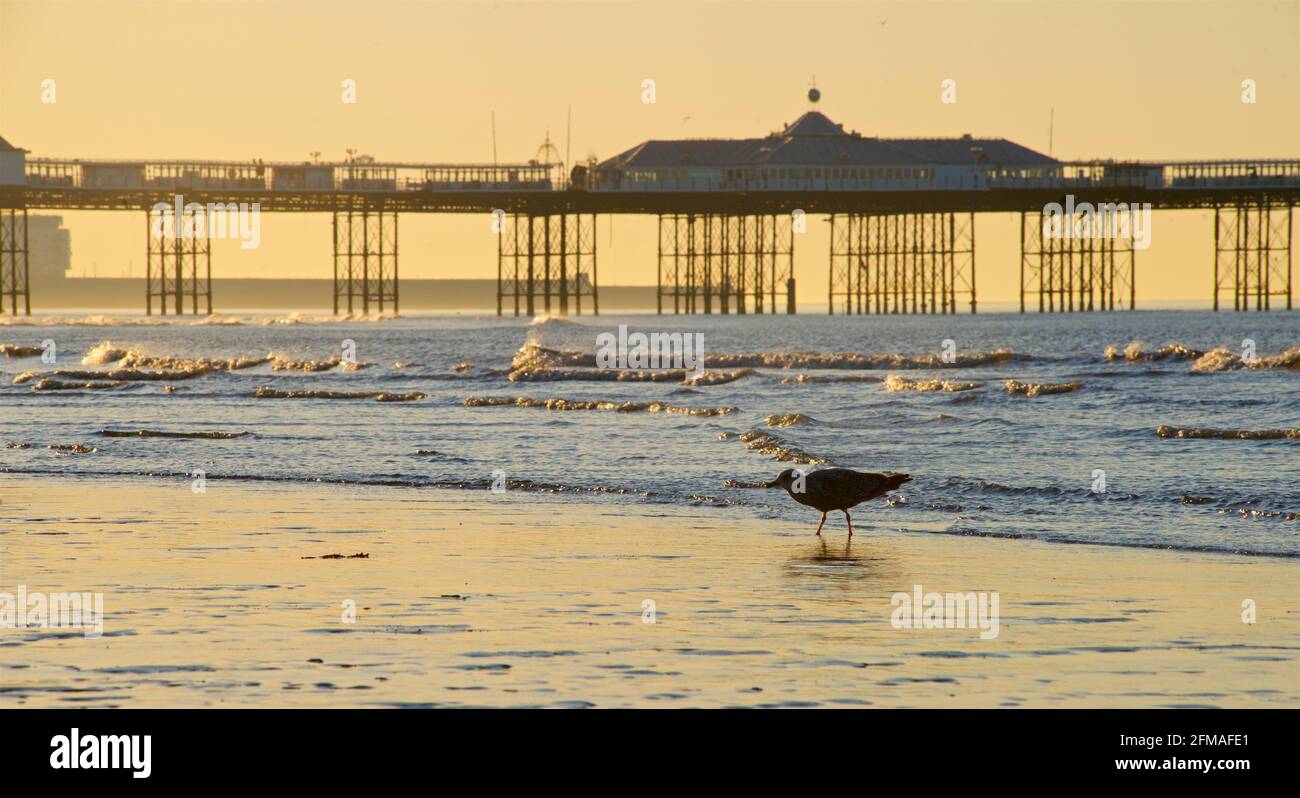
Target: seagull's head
783	480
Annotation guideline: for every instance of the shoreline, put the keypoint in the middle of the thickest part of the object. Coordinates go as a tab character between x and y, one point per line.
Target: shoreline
466	599
596	496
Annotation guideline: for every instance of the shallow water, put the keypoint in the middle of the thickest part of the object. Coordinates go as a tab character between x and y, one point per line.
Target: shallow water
251	595
985	461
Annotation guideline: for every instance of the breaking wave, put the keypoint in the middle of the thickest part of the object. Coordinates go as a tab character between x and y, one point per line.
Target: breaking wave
102	353
106	352
66	385
1016	388
533	355
578	404
1205	361
789	420
14	350
281	362
123	374
266	392
775	446
546	374
71	448
1137	351
894	383
1222	359
849	360
799	379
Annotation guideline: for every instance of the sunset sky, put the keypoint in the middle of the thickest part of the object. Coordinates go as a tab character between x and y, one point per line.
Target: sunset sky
227	80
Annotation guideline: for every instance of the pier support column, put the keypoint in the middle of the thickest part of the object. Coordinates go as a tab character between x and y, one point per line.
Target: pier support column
1252	255
550	257
15	291
902	263
725	263
178	261
365	260
1064	270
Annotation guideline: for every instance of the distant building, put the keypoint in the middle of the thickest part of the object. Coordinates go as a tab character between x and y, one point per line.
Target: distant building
13	164
49	248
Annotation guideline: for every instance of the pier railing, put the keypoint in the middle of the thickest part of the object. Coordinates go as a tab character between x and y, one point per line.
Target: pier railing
361	177
259	176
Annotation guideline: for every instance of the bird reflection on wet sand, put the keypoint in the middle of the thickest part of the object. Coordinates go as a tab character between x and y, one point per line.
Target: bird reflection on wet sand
839	562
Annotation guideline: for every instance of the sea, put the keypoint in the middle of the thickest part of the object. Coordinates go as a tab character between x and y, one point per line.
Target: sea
1169	429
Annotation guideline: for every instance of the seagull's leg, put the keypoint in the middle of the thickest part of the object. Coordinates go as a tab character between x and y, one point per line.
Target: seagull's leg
823	523
850	520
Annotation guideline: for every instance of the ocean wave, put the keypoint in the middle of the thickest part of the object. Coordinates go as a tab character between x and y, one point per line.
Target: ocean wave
266	392
549	320
981	486
153	433
578	404
1204	361
1016	388
895	383
106	352
1256	514
737	483
719	377
799	379
66	385
102	353
15	350
97	320
123	374
198	365
1164	431
789	420
533	355
550	374
1137	351
298	317
1221	359
280	362
71	448
850	360
443	456
775	446
682	376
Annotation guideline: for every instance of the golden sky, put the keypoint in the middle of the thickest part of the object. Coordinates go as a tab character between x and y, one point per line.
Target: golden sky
243	80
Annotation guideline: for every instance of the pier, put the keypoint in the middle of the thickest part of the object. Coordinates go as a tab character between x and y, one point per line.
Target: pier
902	215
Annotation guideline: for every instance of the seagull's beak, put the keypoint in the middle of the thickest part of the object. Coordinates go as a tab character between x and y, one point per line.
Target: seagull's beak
773	484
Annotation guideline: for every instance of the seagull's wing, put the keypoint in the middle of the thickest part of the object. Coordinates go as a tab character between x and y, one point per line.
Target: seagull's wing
852	487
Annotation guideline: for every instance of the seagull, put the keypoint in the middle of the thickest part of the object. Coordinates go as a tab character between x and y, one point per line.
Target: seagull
836	489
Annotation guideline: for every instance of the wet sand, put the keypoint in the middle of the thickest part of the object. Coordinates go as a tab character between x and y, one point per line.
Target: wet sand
477	599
